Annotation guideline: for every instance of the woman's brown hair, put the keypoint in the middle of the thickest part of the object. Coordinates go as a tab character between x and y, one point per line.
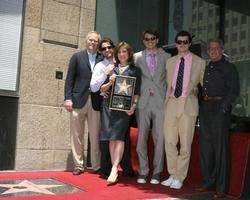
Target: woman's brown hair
129	49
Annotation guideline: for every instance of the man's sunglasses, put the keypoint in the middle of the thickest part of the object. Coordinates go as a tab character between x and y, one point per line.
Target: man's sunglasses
106	48
150	39
182	42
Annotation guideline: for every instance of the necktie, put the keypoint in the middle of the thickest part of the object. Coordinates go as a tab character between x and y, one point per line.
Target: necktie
179	81
152	63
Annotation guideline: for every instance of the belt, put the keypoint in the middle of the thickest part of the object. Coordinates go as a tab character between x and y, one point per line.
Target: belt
206	98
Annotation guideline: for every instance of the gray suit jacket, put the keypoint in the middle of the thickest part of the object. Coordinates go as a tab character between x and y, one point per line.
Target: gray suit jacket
157	83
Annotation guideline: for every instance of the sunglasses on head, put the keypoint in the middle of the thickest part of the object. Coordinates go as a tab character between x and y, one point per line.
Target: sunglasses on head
106	48
150	39
182	42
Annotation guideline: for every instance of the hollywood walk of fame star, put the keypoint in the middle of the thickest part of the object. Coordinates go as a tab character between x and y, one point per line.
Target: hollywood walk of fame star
27	186
123	87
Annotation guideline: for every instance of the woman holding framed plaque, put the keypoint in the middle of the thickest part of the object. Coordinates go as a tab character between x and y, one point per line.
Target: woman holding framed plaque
121	92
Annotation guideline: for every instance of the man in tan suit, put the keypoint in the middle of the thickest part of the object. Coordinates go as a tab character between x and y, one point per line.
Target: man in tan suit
185	72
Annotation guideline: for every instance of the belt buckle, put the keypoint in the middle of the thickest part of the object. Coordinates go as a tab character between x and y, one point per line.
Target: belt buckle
206	98
151	92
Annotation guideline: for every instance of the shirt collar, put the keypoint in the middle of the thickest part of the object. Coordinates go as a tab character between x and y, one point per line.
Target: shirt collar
91	55
148	52
186	56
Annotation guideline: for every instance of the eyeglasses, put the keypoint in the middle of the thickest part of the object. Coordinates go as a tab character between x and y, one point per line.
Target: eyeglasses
92	40
182	42
150	39
106	48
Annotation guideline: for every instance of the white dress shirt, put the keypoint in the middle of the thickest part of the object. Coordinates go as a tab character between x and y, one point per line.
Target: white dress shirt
92	59
98	76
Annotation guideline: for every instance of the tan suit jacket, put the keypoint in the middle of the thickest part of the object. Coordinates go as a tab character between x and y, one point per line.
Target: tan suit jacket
180	117
196	77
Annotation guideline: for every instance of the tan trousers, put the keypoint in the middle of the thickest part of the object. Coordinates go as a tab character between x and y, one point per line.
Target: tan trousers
77	127
179	127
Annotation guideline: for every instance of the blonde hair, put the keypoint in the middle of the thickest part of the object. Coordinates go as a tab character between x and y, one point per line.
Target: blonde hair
94	32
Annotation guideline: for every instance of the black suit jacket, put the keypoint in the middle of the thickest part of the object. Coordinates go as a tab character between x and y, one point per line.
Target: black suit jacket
77	84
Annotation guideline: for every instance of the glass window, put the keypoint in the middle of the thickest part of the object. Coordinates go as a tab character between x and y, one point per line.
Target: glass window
243	19
194	4
235	21
200	16
193	18
210	27
210	13
200	3
234	37
226	38
10	26
243	35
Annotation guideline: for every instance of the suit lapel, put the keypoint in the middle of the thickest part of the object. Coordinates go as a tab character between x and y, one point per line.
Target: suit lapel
85	59
145	65
172	69
192	72
98	58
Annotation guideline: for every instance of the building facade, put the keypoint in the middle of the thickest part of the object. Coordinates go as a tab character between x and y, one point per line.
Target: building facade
51	32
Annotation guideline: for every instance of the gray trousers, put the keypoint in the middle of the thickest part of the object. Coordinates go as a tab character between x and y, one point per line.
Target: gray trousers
144	116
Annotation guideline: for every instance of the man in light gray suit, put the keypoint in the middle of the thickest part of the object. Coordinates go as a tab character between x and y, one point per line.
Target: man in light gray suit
151	105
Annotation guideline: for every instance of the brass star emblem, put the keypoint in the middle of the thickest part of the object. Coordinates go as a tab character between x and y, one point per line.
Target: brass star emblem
123	87
27	186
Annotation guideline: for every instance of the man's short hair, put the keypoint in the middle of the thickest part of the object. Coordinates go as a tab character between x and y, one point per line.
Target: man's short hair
217	40
106	40
183	33
151	32
94	32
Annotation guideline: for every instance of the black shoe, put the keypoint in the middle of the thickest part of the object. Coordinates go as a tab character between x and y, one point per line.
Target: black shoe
129	174
104	174
77	171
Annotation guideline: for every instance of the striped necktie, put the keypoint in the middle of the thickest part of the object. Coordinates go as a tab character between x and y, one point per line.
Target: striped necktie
179	81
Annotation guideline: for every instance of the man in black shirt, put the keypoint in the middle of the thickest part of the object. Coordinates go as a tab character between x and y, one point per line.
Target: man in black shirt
220	89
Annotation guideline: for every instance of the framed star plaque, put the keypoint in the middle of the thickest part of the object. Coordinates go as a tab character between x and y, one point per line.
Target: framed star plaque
122	93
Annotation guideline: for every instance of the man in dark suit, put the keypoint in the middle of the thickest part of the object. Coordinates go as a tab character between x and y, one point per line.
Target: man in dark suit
82	104
220	89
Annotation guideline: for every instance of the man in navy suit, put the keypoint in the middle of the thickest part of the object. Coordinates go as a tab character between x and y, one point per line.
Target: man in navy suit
82	104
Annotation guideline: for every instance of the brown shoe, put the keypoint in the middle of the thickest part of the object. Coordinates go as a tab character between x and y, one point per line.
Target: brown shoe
219	195
201	189
77	172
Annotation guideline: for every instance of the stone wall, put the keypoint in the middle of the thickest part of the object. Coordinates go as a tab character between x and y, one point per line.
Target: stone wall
53	31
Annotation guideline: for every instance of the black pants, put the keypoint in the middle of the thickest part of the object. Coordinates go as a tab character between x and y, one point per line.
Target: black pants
214	145
126	163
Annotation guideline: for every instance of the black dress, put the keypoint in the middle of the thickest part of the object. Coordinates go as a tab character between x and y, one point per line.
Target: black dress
115	124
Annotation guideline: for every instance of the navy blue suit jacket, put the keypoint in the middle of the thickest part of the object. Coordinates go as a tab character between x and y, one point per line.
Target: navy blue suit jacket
77	84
